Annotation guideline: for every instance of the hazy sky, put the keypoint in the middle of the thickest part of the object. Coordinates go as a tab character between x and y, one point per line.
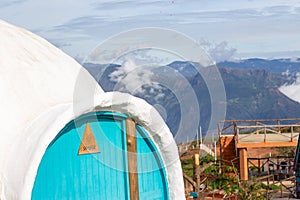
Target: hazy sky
241	28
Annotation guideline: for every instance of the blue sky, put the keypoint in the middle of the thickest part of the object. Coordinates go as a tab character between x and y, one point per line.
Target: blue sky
228	29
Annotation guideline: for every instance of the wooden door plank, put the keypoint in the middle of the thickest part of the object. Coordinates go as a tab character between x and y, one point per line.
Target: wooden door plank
132	159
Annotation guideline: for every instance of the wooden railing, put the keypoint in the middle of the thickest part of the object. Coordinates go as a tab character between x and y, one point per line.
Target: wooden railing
272	130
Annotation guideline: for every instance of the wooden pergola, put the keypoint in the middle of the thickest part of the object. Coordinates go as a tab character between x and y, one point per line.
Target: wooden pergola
259	133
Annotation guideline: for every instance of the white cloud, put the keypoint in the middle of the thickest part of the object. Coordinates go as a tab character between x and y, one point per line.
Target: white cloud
136	79
218	52
294	60
8	3
246	25
128	67
292	91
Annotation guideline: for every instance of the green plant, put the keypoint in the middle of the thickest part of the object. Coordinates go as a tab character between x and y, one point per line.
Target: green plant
254	168
229	183
213	169
226	180
272	187
251	190
206	159
188	167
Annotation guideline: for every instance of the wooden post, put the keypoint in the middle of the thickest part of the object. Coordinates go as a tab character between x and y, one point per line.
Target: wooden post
197	172
132	159
278	166
281	189
243	164
292	134
268	187
259	167
265	135
220	144
234	129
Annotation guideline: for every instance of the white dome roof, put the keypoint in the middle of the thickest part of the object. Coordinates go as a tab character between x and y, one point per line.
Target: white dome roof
42	89
35	78
35	75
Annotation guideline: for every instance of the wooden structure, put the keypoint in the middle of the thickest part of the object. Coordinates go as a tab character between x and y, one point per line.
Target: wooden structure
256	133
280	167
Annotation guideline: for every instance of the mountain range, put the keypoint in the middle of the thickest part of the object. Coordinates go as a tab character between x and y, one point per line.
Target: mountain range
250	88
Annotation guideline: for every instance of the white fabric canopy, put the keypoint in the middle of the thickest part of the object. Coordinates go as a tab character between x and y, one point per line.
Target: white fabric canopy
42	89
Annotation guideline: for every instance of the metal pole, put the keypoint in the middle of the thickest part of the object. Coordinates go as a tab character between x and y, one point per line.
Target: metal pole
201	135
215	152
292	134
197	138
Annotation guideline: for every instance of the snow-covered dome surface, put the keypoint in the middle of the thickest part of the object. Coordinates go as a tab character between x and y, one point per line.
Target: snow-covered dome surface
42	89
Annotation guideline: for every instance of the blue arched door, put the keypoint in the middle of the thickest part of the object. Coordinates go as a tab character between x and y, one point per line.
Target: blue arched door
65	174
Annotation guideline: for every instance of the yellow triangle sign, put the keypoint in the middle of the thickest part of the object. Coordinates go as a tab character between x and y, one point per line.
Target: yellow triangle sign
88	143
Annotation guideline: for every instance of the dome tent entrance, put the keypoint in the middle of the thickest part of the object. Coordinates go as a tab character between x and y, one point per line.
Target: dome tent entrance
38	83
63	172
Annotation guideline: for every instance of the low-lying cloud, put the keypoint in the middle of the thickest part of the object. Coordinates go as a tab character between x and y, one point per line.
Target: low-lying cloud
218	52
292	91
136	79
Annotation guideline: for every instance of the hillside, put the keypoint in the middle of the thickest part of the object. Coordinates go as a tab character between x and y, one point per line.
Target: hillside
279	66
250	93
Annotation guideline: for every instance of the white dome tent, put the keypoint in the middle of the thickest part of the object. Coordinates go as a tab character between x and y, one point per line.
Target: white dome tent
42	91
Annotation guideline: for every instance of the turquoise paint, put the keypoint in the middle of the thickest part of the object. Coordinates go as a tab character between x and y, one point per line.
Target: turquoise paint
63	174
151	172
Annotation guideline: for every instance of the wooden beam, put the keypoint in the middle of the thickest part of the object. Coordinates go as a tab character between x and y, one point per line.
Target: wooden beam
197	172
190	180
261	120
266	144
132	159
243	154
268	126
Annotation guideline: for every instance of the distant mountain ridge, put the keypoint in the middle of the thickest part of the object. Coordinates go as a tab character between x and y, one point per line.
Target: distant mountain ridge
274	66
250	93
